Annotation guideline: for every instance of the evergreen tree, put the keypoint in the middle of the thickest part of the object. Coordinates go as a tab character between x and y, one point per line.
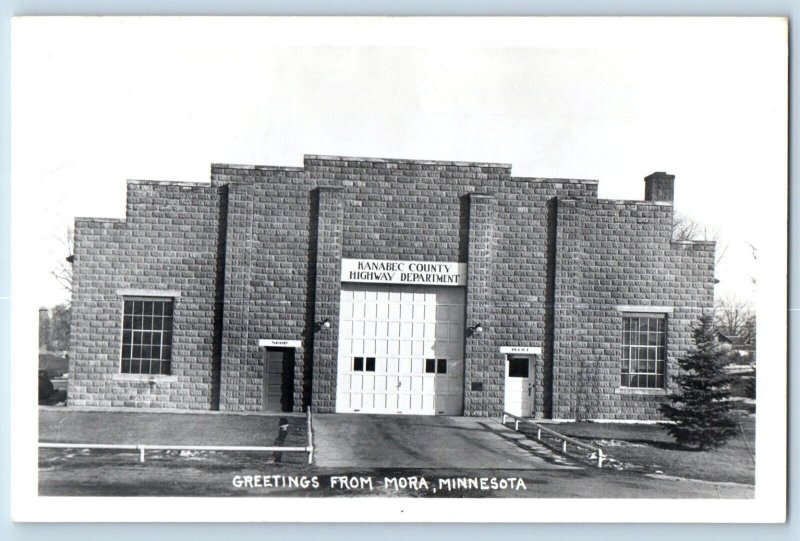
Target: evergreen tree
700	409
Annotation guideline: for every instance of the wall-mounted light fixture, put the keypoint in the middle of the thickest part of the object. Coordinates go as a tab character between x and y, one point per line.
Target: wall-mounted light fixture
476	329
324	324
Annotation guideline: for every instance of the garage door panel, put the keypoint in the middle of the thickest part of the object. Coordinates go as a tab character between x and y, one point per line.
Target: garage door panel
368	401
369	383
401	327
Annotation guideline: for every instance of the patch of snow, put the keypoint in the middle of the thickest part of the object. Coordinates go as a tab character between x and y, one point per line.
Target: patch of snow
618	443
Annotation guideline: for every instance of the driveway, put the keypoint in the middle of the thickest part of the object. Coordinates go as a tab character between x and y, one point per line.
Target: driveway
402	441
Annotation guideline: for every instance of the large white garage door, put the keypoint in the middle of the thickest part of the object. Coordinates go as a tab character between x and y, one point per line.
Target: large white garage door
401	350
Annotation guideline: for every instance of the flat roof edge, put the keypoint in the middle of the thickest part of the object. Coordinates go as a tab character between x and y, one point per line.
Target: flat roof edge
557	180
257	167
93	219
636	202
167	182
404	160
694	242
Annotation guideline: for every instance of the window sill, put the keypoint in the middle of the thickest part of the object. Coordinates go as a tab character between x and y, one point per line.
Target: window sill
155	378
640	391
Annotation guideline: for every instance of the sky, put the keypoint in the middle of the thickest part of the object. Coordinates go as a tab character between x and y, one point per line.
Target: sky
96	101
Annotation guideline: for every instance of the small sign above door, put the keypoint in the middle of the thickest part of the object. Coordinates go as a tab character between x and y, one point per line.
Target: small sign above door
523	350
296	344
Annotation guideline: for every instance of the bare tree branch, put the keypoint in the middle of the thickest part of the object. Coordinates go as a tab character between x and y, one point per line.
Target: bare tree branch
754	253
735	317
685	228
63	270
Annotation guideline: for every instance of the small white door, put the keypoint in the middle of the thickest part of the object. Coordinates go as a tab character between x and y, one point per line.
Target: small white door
518	400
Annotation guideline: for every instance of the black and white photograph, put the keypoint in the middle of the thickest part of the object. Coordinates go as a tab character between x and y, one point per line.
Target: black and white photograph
402	269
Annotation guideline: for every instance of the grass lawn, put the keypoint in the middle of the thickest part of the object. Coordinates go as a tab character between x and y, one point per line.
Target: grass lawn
650	448
167	428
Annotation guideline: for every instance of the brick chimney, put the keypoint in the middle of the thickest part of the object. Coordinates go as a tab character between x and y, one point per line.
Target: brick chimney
659	187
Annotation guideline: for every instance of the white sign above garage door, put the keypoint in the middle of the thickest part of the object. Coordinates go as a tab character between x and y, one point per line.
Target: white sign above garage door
385	271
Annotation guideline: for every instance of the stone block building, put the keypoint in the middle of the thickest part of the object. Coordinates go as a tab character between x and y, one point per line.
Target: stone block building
385	286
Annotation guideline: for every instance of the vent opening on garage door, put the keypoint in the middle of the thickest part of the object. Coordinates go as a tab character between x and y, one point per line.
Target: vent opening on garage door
401	350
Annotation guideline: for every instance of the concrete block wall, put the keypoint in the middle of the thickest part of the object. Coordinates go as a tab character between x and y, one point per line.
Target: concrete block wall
167	242
483	379
404	209
611	254
269	277
547	264
417	210
328	286
525	248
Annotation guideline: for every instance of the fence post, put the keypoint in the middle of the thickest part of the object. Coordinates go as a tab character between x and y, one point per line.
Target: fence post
310	437
141	454
564	446
539	434
599	458
516	424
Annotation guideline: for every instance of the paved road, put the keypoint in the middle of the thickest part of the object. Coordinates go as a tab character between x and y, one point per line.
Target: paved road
402	441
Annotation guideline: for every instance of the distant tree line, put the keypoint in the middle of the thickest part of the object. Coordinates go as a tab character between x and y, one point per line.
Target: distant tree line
54	328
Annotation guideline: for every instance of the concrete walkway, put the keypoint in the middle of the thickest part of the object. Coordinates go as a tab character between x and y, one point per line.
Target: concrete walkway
401	441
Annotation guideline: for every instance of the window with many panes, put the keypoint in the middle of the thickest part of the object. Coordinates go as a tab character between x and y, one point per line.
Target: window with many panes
644	350
146	335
